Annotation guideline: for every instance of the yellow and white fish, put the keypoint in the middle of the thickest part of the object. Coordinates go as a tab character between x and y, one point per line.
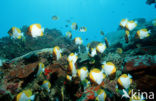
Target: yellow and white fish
72	57
101	47
101	95
130	25
108	68
143	33
69	34
15	33
57	52
82	73
83	29
46	85
69	78
123	23
96	76
72	68
25	95
35	30
74	26
93	52
41	69
125	81
78	41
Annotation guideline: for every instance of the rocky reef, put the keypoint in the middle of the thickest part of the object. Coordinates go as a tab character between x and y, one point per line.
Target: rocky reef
150	2
19	61
12	48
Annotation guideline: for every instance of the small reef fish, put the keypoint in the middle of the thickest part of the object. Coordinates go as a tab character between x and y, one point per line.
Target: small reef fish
15	33
123	23
35	30
41	69
101	95
127	35
72	57
69	78
143	33
83	29
119	50
130	25
106	42
57	52
108	68
74	26
72	68
46	85
69	34
93	52
25	95
82	73
96	76
125	81
102	33
101	47
78	41
55	18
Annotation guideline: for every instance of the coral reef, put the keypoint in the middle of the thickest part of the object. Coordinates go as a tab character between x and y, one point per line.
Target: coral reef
19	65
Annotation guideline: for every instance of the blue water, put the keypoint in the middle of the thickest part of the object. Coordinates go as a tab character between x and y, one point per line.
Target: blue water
96	15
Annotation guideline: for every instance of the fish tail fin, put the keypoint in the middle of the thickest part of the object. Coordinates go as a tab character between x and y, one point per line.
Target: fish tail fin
130	76
104	62
136	22
149	31
42	29
32	97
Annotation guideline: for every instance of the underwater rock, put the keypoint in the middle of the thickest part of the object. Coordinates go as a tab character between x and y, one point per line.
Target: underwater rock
150	2
83	57
115	58
143	70
115	37
6	97
140	21
11	48
1	63
2	60
136	63
33	54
